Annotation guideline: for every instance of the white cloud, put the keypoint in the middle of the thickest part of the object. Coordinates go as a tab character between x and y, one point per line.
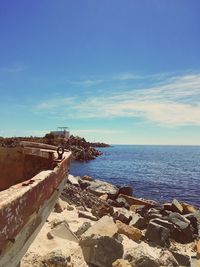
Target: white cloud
97	131
86	83
174	102
52	104
126	76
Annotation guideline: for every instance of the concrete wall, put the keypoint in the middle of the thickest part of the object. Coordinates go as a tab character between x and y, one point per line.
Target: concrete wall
24	209
16	166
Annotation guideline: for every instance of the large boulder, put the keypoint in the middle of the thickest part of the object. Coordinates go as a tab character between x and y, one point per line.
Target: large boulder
138	221
197	215
101	251
73	180
193	221
103	227
187	208
146	256
126	190
122	215
136	201
179	220
130	231
182	259
167	259
164	223
99	188
176	206
183	231
100	245
158	234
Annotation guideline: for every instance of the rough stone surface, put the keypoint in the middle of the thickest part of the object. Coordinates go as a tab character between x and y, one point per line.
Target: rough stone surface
87	215
164	223
183	231
87	178
167	206
140	257
56	259
122	215
167	259
198	247
83	228
99	188
158	234
63	231
102	210
59	207
135	208
193	221
179	220
187	208
183	236
122	202
176	206
183	260
143	256
101	251
73	180
136	201
103	227
70	207
104	197
138	221
121	263
130	231
115	203
153	213
77	196
126	190
84	184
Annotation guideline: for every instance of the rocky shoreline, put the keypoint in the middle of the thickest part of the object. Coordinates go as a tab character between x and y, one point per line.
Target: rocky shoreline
98	224
80	148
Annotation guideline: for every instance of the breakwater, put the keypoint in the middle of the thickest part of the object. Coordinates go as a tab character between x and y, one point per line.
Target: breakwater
160	173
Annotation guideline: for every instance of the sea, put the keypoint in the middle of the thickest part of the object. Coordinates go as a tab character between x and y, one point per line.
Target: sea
160	173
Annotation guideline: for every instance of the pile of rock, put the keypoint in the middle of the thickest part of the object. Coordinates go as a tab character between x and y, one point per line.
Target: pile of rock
80	148
156	234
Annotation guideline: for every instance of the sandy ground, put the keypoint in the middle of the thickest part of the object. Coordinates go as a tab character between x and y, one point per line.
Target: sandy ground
63	241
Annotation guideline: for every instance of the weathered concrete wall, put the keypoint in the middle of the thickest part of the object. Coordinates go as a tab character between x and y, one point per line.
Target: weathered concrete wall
24	209
17	166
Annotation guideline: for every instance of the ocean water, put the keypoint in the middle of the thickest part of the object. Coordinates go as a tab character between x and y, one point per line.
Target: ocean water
156	172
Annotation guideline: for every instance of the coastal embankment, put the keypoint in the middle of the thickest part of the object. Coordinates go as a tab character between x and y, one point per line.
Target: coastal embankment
95	223
80	148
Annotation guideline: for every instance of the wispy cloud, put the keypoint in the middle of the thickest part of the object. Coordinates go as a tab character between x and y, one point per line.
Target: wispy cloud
54	103
86	83
173	102
126	76
13	69
97	131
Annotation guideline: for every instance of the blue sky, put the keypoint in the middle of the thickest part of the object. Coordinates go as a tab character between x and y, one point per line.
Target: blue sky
115	71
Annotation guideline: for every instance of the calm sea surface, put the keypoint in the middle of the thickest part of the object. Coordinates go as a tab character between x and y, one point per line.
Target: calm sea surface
155	172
